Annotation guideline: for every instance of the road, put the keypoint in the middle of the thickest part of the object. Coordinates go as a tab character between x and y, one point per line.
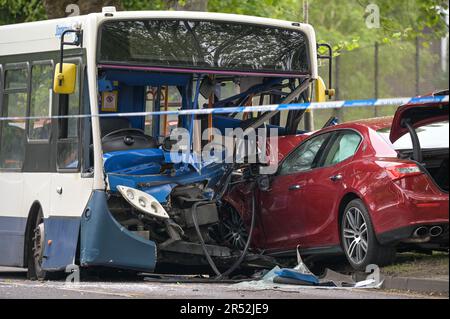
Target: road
14	285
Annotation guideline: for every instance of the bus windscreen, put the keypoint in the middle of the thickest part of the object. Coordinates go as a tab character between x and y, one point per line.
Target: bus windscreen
209	45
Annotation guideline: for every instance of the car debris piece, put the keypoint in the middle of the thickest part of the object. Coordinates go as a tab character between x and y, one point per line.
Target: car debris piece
300	274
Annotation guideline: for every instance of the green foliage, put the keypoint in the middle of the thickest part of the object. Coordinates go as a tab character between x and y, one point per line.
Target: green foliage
265	8
144	5
341	23
408	19
16	11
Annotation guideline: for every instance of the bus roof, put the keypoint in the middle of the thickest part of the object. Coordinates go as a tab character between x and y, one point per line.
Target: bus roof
42	36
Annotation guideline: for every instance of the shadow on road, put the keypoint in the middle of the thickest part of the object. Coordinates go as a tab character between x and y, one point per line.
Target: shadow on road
13	273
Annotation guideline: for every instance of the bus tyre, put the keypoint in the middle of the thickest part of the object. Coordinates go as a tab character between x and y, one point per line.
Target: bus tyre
359	241
35	257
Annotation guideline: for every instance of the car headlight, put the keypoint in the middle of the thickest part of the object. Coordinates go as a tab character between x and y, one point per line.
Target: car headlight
143	202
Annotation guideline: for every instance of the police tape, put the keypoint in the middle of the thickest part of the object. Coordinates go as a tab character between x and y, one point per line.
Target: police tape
261	108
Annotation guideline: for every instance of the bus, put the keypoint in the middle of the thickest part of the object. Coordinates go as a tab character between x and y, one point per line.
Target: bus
82	182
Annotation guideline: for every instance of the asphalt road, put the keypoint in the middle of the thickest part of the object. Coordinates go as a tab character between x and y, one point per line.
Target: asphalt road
14	285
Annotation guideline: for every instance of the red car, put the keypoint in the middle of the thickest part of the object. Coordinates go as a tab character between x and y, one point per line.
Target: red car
364	189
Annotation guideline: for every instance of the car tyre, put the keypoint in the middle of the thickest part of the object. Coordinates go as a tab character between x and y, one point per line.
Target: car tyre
359	241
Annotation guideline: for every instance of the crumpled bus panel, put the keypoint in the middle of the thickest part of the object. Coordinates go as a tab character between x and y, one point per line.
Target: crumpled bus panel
61	234
104	242
150	171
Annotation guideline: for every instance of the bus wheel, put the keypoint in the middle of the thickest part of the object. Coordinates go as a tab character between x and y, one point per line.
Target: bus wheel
35	271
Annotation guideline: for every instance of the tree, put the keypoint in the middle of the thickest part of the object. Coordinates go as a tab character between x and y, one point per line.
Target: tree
62	8
21	11
59	8
189	5
343	23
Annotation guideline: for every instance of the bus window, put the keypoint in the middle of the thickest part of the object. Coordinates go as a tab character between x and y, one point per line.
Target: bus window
170	100
67	145
171	103
149	107
40	101
16	79
12	143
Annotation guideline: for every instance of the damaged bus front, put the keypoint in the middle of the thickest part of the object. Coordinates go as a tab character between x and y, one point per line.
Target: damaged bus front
155	195
157	210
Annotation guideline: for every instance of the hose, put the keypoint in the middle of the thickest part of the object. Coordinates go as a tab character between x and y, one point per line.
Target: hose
205	251
202	241
227	179
247	245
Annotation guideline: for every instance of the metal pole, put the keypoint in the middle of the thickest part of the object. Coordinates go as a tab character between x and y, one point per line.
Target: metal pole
309	116
306	11
417	66
377	75
338	112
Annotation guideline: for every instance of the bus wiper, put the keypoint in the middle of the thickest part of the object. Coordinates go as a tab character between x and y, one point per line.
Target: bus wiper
197	42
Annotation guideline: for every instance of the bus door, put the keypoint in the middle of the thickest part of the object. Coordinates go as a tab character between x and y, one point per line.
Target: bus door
70	190
39	132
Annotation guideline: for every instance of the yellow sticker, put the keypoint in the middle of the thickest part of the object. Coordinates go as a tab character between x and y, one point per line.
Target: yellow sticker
109	101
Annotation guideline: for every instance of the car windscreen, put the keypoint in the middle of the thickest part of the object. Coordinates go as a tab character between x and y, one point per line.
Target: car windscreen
227	46
432	136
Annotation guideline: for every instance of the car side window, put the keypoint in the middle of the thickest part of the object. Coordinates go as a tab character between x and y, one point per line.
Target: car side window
302	159
344	147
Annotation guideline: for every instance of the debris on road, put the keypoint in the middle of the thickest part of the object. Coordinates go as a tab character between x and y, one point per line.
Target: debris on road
301	277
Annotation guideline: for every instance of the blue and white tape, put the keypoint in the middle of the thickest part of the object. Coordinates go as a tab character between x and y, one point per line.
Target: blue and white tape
262	108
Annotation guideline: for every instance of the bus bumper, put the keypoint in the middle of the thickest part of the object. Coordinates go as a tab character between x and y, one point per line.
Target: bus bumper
104	242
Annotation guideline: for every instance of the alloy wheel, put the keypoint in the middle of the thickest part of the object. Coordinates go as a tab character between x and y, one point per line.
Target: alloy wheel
235	232
355	235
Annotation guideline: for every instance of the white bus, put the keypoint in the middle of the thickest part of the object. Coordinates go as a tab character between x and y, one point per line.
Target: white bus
101	190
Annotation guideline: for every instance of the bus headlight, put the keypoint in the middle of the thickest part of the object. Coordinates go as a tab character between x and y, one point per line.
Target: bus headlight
143	202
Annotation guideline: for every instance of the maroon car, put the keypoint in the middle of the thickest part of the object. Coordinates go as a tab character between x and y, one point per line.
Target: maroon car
364	189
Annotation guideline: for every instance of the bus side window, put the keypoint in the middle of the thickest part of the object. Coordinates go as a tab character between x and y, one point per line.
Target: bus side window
12	143
1	102
40	101
68	137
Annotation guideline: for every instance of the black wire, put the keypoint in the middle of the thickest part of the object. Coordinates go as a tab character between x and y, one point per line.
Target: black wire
203	244
247	245
202	241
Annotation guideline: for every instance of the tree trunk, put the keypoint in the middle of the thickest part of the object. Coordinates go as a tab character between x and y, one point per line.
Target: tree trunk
190	5
63	8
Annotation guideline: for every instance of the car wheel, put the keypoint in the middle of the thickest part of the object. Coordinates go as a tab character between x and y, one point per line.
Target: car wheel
232	230
35	257
359	242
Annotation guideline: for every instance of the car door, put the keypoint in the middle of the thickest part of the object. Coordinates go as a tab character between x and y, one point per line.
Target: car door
322	191
283	225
